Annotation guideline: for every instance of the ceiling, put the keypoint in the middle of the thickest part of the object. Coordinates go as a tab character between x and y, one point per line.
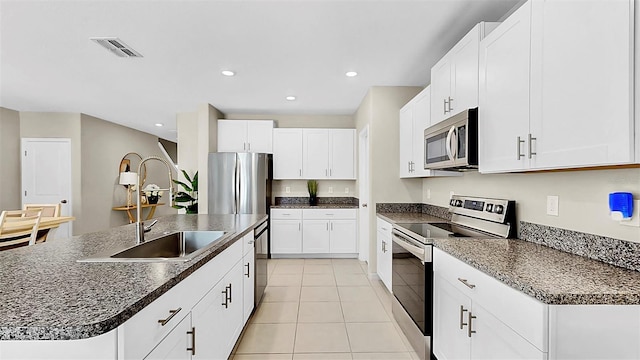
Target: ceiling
277	48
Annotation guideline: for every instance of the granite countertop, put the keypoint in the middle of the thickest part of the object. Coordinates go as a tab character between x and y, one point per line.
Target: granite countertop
552	276
47	295
319	206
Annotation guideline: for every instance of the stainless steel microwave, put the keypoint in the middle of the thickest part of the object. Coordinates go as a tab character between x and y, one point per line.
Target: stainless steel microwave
452	144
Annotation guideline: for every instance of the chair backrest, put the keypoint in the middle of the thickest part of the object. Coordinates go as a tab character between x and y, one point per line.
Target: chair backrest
19	227
48	210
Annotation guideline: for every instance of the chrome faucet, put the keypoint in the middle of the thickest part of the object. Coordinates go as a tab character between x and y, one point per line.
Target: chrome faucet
140	228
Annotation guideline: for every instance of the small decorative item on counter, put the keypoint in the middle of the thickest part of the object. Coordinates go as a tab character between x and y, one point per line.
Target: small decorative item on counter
153	193
312	186
189	196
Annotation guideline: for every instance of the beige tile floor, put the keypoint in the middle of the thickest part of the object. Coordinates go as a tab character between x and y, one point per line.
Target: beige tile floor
322	309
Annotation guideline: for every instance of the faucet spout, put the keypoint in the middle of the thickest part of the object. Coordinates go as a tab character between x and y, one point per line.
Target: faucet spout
140	228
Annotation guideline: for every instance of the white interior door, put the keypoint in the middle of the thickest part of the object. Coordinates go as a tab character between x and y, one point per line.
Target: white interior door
363	190
46	176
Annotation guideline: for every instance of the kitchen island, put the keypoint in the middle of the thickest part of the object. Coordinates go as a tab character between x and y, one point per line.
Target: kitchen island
49	297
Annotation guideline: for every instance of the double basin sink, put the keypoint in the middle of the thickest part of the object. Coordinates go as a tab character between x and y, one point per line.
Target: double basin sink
177	246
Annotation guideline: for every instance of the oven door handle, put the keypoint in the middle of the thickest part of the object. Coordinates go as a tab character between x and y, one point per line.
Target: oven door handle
407	245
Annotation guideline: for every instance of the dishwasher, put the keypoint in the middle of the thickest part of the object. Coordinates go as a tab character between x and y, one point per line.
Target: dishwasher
261	247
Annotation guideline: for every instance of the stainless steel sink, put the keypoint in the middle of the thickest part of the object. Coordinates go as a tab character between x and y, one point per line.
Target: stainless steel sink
178	246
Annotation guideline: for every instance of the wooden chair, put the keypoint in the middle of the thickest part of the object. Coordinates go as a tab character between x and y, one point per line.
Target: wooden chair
48	210
19	228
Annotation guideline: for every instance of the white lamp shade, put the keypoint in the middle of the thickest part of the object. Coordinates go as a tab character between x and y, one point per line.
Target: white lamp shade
128	178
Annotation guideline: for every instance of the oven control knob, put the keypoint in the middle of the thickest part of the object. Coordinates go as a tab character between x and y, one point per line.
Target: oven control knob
489	207
458	203
452	202
499	209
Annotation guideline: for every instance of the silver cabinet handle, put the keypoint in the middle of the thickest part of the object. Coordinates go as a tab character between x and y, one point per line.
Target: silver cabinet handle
226	298
330	172
172	313
248	265
244	146
518	149
193	341
326	172
299	226
450	101
300	172
462	311
327	226
364	205
466	283
531	140
331	226
249	146
445	105
469	331
229	293
384	246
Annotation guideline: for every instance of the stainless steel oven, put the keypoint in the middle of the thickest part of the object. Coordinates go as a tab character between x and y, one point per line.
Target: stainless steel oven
452	144
412	262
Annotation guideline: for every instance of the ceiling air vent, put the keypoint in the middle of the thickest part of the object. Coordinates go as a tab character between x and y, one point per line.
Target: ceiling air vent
116	46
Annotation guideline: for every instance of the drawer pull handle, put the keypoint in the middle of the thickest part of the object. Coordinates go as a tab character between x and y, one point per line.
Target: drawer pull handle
229	294
172	313
466	283
462	311
226	297
193	341
471	317
248	269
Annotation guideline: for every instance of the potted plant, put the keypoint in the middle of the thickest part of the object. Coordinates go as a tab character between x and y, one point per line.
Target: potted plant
189	195
312	186
153	193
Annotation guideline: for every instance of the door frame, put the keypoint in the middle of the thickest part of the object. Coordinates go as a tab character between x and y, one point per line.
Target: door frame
364	195
69	204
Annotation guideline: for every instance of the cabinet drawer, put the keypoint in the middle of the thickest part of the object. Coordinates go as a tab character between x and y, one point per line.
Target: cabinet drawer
286	214
142	332
384	227
524	314
329	214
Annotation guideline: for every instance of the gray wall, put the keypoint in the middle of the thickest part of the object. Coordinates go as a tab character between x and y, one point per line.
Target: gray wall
10	184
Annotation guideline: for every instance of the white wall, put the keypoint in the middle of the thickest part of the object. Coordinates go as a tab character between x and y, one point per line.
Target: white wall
10	185
584	202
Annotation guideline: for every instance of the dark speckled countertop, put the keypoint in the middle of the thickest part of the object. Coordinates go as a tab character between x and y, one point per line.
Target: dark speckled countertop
47	295
552	276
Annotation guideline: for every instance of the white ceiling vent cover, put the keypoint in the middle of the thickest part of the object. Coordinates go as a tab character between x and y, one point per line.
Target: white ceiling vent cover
116	46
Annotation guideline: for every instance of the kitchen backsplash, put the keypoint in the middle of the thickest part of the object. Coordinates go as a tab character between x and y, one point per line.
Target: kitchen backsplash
433	210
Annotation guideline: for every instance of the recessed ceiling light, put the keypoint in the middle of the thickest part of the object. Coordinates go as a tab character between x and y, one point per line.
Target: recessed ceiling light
291	98
159	125
351	73
228	73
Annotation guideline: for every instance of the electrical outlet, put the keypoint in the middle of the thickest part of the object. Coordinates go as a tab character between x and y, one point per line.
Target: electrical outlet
287	189
346	190
552	205
330	189
451	193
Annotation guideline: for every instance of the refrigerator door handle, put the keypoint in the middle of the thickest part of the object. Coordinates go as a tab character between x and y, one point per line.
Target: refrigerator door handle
236	182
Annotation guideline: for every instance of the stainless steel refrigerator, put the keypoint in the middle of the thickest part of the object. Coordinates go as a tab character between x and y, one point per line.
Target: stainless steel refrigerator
240	183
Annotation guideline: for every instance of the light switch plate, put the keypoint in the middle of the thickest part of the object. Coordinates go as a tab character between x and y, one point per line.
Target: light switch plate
346	190
287	189
552	205
330	189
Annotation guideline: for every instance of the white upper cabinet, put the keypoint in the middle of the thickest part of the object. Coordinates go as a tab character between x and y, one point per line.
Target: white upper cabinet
556	87
287	153
328	153
503	111
245	136
454	79
414	119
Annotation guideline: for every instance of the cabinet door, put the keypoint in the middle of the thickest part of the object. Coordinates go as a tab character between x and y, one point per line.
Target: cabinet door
217	318
383	253
315	237
464	73
421	121
315	153
286	236
260	136
440	89
232	136
504	94
343	239
248	284
581	81
450	321
406	140
495	340
342	147
175	344
287	153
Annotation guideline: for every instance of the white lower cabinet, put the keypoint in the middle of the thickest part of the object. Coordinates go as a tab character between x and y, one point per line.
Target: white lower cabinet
314	231
383	252
174	344
248	276
479	317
